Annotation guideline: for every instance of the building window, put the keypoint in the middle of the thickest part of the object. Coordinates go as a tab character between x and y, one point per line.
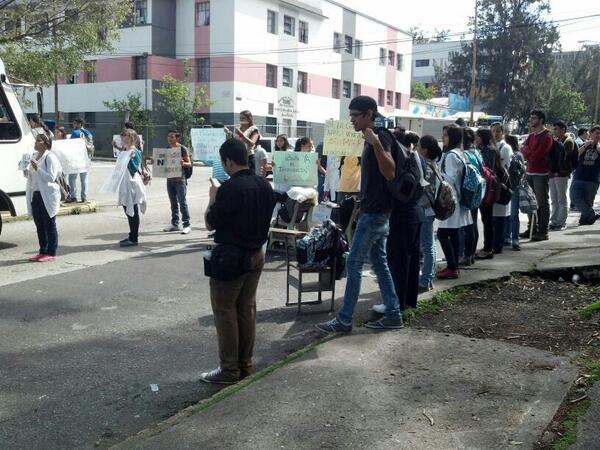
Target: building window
271	124
271	76
202	14
271	22
335	88
389	98
398	100
303	32
90	71
287	78
289	25
422	63
399	62
358	49
382	56
391	58
204	70
302	128
73	79
347	89
348	44
380	97
140	11
302	82
337	42
356	89
140	68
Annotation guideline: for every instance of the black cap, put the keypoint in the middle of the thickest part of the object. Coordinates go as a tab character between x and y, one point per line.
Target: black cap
364	103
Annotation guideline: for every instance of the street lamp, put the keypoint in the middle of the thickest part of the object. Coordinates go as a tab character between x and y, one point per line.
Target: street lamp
594	44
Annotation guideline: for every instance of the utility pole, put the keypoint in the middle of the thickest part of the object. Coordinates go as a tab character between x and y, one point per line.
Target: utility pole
474	70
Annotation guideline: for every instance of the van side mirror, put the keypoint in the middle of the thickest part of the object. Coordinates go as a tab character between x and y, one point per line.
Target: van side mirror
40	104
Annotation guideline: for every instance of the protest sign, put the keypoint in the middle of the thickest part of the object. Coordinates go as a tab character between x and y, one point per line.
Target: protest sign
341	140
111	185
206	143
321	213
72	155
295	168
117	144
167	162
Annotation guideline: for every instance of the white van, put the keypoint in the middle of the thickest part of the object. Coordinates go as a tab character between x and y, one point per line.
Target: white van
16	139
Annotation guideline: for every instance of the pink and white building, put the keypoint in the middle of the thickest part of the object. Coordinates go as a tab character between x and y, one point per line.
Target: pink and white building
293	63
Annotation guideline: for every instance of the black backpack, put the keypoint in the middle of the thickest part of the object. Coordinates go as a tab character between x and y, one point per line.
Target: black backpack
187	171
557	156
405	187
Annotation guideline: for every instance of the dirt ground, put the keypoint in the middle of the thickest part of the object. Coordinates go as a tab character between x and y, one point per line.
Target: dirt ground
528	311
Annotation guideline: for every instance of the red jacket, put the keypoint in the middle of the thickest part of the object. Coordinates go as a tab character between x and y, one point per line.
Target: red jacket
536	150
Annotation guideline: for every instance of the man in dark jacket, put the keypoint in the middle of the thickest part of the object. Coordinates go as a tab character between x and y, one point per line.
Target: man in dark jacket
559	178
240	213
536	150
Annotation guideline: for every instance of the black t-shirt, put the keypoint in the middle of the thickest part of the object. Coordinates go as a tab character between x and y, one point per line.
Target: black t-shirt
242	211
375	197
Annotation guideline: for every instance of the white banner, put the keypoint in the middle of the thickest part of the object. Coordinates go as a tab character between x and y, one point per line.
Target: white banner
72	155
117	144
206	143
167	162
112	183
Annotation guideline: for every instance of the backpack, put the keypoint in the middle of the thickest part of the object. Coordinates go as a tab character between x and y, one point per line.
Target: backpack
473	186
187	171
443	202
557	156
527	200
406	186
321	247
516	170
89	142
492	186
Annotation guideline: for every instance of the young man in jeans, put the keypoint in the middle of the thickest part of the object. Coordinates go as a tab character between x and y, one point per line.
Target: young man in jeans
586	178
177	188
560	180
536	150
372	229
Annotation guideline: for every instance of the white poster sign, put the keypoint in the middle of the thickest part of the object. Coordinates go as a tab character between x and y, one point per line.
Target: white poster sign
112	183
72	155
167	162
206	143
117	144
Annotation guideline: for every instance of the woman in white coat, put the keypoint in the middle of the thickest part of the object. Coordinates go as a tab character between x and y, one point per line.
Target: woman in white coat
132	195
453	163
43	197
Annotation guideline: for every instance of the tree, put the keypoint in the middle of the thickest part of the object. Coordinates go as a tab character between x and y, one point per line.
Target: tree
183	102
130	109
54	37
584	71
420	92
563	103
514	56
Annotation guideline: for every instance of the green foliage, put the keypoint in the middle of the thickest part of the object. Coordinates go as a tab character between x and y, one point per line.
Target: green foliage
420	92
183	102
514	57
569	436
590	310
57	35
434	304
584	73
131	109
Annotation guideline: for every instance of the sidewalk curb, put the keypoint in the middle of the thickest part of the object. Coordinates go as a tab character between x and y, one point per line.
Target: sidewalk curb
153	430
109	159
67	210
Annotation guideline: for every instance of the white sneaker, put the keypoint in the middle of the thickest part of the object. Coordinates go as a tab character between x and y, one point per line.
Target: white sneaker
379	309
170	228
186	230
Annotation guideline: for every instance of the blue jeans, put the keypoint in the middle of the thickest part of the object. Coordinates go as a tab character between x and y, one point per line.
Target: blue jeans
428	250
83	176
582	195
45	226
514	223
369	240
498	243
177	190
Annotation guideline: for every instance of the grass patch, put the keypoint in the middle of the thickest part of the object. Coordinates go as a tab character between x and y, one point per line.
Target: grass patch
433	304
589	310
569	436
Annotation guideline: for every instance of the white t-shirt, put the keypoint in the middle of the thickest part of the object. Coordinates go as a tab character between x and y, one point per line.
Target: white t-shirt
260	155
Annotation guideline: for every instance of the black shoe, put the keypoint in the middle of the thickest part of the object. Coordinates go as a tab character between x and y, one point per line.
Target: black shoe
217	376
516	247
70	200
385	324
424	289
537	237
524	234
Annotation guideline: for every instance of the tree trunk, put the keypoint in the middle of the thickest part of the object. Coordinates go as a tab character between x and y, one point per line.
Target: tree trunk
56	111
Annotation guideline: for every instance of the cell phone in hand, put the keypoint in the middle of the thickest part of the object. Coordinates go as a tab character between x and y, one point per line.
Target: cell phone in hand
214	182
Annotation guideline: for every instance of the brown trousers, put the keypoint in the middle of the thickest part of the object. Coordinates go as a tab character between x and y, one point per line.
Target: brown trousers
234	307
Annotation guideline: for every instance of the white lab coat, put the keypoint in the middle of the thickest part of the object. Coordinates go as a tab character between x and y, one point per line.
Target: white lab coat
48	170
505	156
452	170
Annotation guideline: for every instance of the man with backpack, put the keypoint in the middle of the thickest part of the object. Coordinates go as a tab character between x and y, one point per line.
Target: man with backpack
177	187
537	150
561	168
586	178
377	168
79	132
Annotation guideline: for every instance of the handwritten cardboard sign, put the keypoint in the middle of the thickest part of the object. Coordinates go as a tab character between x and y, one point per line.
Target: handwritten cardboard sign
295	168
341	140
167	162
206	143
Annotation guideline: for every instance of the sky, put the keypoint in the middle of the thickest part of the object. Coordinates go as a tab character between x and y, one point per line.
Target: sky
453	15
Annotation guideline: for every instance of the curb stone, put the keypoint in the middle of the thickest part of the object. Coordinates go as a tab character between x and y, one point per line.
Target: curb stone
67	210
